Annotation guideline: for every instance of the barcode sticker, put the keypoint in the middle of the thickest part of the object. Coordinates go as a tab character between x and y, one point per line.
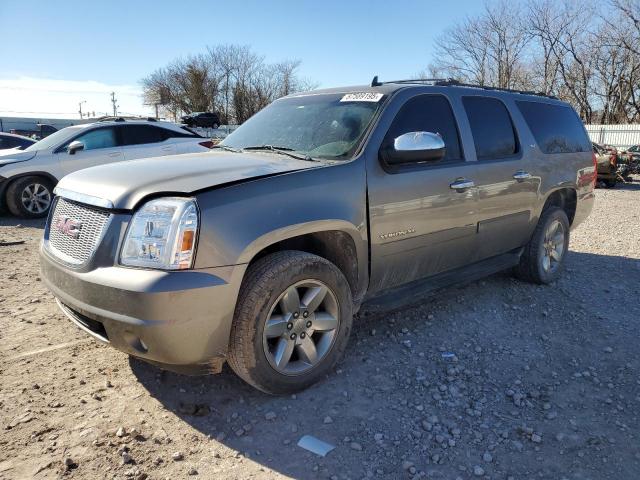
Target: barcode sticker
362	97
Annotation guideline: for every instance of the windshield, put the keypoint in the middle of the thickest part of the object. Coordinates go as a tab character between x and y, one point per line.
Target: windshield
53	139
325	126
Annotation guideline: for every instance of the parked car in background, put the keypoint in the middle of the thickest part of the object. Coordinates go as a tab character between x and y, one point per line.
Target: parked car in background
10	141
27	178
261	252
634	152
607	161
43	131
202	119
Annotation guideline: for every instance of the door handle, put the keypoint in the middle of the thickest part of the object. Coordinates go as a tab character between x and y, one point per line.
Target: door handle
114	154
167	149
462	184
521	175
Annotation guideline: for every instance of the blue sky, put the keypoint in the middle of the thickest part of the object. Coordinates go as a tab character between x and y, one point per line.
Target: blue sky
61	45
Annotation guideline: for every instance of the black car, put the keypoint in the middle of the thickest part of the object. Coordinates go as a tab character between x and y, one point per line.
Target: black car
202	119
9	140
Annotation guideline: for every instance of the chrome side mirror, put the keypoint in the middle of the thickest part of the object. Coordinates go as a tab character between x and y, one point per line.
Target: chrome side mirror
74	147
416	147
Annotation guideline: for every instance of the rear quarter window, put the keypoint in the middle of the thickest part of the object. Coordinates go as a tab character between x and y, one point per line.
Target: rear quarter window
556	128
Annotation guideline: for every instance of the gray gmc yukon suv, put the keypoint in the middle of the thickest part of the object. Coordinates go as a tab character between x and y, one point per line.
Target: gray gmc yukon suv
260	252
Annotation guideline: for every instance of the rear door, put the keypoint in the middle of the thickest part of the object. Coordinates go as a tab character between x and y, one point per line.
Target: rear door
419	224
507	191
101	146
142	141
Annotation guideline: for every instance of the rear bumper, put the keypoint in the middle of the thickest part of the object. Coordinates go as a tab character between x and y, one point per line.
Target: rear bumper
179	320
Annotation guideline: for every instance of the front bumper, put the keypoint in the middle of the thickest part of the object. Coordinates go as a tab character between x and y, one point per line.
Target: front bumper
180	320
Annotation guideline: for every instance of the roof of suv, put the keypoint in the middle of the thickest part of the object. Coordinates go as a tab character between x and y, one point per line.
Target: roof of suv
395	85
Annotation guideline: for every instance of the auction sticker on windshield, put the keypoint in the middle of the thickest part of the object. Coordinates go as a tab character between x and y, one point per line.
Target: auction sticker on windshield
362	97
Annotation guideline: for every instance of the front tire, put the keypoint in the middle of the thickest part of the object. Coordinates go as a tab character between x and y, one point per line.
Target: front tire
543	257
292	322
30	197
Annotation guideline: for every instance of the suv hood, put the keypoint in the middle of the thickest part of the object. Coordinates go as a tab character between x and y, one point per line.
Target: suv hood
122	185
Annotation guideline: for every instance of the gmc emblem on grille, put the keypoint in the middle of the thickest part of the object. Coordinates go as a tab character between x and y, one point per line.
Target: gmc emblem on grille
68	226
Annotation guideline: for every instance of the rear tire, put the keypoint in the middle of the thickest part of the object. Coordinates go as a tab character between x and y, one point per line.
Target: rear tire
30	197
543	257
305	301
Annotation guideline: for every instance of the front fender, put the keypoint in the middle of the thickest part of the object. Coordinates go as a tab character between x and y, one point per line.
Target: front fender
239	221
292	231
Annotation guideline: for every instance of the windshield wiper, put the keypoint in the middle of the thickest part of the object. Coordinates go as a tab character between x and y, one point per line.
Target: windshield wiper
225	147
282	151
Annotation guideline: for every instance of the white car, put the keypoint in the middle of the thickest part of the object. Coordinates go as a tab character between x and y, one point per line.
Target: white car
27	177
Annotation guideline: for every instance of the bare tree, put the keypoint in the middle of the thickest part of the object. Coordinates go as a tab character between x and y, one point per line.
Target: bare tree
575	49
487	49
230	79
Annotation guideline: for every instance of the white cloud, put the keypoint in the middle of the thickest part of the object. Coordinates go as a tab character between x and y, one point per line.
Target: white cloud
47	98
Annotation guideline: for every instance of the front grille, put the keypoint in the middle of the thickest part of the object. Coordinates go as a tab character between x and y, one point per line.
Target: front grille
75	230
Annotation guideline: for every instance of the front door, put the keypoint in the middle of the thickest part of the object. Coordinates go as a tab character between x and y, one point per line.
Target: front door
100	146
420	223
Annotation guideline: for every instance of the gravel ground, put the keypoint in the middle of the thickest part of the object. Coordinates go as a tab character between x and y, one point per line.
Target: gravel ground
498	379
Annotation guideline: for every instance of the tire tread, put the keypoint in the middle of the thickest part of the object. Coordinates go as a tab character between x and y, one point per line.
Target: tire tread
256	286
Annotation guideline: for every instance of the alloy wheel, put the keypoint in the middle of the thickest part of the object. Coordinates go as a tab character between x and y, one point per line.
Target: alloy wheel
553	246
36	198
301	327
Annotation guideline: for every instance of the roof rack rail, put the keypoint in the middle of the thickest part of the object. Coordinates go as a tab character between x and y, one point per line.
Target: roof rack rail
124	118
452	82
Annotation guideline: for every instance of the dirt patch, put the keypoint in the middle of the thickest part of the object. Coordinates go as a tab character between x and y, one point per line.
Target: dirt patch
498	379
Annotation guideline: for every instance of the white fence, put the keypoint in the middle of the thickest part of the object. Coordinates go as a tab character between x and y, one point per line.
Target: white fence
620	136
217	133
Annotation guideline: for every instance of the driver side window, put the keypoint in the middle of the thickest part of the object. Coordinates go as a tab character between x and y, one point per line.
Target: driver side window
428	113
99	138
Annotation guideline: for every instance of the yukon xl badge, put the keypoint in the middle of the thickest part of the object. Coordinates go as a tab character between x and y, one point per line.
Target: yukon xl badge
400	233
68	226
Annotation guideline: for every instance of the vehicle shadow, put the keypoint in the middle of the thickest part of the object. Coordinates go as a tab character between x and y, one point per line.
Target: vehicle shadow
350	405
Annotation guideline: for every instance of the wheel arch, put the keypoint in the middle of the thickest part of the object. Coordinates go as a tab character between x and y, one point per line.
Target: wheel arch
5	185
334	240
564	197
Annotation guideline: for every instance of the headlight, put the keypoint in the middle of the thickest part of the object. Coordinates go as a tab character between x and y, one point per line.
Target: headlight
162	234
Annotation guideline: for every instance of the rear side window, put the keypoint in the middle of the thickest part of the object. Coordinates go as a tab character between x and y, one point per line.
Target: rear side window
141	134
7	143
491	127
189	133
556	128
428	113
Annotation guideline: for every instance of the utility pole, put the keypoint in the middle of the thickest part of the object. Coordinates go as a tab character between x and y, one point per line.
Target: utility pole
80	107
114	103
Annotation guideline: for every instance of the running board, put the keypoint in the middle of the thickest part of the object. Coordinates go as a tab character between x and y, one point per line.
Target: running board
422	289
